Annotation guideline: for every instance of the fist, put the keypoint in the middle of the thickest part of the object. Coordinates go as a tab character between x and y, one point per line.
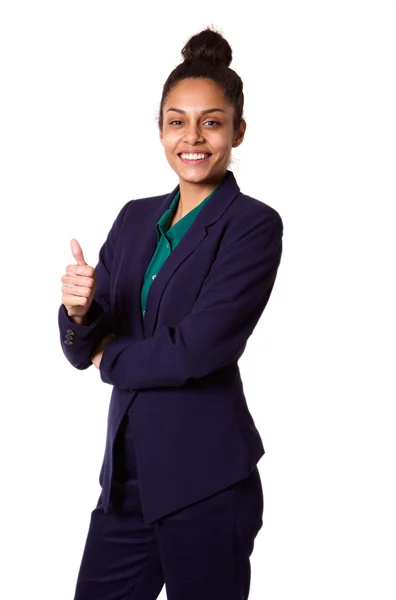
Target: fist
78	285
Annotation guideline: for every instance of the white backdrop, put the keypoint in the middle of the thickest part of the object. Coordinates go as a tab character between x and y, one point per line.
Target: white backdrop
80	89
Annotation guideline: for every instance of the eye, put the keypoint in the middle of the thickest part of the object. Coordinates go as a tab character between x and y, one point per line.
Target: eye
176	122
211	123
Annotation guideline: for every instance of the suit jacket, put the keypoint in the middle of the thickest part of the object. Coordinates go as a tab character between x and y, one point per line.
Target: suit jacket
176	371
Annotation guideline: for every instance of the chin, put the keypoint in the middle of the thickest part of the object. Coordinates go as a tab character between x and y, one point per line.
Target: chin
194	175
191	175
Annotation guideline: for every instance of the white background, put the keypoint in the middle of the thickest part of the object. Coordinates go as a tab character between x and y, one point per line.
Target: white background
80	89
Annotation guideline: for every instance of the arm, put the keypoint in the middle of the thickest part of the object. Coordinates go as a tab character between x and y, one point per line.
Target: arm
215	333
79	341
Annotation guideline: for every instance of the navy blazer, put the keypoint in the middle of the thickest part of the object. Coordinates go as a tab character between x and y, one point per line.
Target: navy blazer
176	372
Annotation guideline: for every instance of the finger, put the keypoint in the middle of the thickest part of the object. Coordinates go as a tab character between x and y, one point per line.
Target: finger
76	290
109	338
95	361
78	280
84	270
77	252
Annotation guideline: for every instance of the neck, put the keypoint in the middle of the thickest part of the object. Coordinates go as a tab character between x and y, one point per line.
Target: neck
192	194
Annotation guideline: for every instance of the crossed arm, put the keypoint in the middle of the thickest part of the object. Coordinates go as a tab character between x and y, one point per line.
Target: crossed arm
212	335
215	332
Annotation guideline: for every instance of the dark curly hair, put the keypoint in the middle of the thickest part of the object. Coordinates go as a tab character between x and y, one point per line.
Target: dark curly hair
208	55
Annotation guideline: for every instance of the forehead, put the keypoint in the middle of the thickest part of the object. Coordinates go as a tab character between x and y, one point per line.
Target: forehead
197	94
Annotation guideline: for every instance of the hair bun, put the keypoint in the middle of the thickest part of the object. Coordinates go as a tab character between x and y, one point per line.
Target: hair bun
208	46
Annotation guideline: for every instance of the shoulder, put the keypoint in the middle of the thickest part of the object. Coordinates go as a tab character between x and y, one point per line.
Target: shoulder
137	209
248	216
143	205
248	207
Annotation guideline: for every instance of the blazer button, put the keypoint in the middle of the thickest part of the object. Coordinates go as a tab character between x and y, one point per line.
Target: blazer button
70	331
68	342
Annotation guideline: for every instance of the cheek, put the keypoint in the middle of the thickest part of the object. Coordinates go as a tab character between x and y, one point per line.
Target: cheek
167	147
223	144
224	149
170	142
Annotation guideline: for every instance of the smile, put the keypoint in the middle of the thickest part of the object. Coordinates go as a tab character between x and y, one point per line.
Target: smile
194	159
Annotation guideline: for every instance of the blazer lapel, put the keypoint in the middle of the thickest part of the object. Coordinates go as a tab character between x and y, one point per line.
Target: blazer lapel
209	214
139	261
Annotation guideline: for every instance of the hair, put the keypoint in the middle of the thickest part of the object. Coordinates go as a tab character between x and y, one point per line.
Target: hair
208	55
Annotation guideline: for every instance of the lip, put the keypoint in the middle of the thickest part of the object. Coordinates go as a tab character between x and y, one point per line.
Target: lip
200	161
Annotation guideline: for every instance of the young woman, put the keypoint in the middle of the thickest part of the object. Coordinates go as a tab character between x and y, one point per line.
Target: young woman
181	282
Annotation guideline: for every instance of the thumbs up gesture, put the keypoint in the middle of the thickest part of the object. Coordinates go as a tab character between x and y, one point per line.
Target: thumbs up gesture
78	285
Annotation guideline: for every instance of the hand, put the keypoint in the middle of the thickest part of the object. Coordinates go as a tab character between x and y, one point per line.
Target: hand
98	353
78	286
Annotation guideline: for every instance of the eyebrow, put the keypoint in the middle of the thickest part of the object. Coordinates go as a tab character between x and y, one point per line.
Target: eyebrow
204	112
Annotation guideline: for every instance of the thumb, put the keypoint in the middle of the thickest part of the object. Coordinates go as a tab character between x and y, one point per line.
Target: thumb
77	252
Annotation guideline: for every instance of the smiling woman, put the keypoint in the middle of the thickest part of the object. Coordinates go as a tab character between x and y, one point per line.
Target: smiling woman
198	134
181	282
200	117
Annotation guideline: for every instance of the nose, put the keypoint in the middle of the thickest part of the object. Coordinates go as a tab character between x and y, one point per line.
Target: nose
193	134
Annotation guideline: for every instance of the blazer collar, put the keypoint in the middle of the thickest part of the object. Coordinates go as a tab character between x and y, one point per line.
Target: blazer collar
212	211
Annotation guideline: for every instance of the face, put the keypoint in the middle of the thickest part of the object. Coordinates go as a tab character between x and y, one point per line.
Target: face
198	131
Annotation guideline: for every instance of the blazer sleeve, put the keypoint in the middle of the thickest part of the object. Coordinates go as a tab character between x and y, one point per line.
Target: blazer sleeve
214	334
79	341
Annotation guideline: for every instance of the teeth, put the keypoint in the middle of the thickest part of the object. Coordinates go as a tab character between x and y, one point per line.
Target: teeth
193	156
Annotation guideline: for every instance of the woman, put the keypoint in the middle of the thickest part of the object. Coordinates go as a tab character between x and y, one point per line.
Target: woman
181	282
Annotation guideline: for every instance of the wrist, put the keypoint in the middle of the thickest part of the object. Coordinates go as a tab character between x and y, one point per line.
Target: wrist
78	320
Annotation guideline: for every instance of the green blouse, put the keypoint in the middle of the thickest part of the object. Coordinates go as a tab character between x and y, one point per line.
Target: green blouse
167	240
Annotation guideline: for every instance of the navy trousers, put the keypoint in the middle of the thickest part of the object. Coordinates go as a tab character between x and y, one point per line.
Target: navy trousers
200	552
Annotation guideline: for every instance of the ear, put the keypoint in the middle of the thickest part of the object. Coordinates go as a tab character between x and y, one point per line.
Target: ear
161	137
240	134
